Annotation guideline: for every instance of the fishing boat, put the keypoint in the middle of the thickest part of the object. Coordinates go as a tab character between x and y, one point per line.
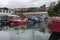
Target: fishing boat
54	24
15	20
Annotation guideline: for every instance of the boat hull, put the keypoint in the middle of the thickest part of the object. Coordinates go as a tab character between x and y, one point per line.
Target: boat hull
18	23
54	26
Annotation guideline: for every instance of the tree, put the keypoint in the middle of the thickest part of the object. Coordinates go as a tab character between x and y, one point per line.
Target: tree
52	4
57	9
50	10
32	9
58	0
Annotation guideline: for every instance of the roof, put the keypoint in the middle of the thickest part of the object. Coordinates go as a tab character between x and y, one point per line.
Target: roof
36	13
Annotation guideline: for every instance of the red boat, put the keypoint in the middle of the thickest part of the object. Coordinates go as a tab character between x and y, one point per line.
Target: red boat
55	25
17	21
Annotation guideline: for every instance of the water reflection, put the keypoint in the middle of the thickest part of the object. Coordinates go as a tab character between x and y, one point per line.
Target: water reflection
28	26
40	26
33	25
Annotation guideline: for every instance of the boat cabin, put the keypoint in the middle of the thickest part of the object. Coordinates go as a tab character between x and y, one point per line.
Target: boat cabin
5	11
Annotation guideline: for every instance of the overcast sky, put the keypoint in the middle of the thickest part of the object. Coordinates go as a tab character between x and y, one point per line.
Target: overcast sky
24	3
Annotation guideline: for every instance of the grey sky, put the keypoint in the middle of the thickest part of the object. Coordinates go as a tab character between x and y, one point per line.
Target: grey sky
24	3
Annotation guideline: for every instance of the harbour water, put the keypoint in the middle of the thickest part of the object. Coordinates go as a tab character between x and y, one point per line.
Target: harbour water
31	33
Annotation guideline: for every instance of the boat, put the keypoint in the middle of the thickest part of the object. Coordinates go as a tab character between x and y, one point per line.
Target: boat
15	20
3	20
33	19
43	17
54	25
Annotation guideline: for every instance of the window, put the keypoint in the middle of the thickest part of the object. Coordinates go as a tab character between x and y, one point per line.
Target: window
9	11
6	11
3	11
0	10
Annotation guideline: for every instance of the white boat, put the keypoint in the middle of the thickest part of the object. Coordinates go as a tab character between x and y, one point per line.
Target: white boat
5	11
